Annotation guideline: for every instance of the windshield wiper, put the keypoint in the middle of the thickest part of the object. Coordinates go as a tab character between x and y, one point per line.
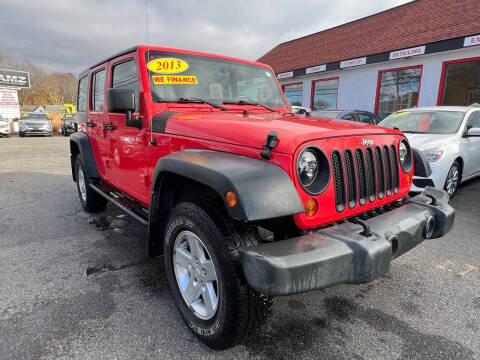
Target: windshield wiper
413	132
243	102
182	100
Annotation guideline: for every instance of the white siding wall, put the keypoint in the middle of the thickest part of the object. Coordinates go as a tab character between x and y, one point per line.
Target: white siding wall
357	86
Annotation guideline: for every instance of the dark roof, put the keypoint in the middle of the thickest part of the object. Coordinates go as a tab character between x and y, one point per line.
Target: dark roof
412	24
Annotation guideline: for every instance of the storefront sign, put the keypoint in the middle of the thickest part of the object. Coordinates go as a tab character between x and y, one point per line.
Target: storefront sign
419	50
471	40
315	69
353	62
285	75
14	79
9	107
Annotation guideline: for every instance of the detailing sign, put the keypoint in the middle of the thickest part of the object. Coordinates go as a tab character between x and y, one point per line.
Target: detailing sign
353	62
419	50
14	79
315	69
9	107
285	75
471	40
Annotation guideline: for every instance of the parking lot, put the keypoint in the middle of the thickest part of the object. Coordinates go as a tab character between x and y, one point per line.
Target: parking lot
75	285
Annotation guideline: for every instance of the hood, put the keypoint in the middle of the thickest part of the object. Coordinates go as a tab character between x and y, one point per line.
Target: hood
252	130
429	141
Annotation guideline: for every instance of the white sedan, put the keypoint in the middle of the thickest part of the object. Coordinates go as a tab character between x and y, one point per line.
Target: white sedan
448	136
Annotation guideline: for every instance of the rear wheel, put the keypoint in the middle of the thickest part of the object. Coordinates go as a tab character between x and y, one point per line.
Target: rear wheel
205	276
90	200
453	179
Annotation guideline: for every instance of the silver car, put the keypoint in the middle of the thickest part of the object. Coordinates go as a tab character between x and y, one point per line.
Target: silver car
4	127
448	136
32	123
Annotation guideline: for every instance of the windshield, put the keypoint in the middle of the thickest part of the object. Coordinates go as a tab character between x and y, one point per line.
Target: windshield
34	116
326	114
428	122
175	75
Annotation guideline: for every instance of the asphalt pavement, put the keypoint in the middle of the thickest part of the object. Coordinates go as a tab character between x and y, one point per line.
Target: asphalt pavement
75	285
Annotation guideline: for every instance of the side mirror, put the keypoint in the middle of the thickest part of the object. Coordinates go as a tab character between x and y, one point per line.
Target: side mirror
473	131
123	101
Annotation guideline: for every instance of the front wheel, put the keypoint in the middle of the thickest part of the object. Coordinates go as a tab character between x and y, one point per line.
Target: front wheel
453	179
90	200
205	276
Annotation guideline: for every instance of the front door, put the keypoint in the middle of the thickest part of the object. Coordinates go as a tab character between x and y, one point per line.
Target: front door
470	147
127	151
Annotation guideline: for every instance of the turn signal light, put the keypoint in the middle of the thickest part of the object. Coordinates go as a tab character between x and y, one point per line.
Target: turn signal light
409	179
231	198
311	207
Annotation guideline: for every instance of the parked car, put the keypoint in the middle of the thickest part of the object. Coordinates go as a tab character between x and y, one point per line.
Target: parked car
353	115
69	124
448	136
300	110
236	192
32	123
4	127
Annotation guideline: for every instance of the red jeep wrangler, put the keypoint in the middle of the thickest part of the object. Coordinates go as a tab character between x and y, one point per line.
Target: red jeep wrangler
245	200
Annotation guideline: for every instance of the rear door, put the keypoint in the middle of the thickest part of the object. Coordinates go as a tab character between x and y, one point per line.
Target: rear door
127	151
96	119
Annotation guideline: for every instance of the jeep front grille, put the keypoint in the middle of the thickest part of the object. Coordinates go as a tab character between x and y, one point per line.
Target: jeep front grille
365	174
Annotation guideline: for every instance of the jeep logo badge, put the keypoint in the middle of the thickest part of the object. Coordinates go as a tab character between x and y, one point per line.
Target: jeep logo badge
366	142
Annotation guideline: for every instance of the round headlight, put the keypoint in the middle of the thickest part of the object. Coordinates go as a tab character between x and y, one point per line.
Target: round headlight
313	170
307	167
405	155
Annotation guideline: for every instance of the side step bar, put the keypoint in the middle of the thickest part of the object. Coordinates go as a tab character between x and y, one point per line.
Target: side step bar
116	201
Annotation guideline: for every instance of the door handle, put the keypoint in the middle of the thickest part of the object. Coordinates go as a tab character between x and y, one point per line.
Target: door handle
90	124
108	127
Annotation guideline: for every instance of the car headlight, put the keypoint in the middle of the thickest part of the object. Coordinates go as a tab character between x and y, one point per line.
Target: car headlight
433	155
313	170
405	155
307	167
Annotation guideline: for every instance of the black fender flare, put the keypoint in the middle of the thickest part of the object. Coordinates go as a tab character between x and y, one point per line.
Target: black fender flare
82	143
421	166
264	190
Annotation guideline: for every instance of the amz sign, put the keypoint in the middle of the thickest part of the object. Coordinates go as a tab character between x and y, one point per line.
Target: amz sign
14	79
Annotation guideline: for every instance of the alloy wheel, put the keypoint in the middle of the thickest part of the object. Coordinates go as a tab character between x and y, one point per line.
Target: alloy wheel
452	180
195	274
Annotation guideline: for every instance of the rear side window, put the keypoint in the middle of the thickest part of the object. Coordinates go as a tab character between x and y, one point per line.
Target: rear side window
98	89
350	117
365	118
82	94
125	76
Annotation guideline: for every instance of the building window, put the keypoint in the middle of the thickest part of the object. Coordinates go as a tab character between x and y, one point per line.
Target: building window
324	94
460	84
293	93
397	89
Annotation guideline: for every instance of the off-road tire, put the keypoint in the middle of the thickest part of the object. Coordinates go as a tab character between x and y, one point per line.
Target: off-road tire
241	310
94	202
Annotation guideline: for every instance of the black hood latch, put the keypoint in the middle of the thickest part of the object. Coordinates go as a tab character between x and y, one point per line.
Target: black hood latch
270	143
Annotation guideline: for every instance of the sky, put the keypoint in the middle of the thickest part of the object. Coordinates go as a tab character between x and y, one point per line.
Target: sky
69	36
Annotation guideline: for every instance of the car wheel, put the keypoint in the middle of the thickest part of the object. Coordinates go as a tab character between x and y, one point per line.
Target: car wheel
90	200
205	276
21	134
453	179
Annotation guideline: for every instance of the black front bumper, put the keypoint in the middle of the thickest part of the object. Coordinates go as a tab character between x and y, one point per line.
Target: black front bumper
346	253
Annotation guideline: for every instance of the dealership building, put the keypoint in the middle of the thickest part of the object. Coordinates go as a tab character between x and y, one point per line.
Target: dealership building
423	53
